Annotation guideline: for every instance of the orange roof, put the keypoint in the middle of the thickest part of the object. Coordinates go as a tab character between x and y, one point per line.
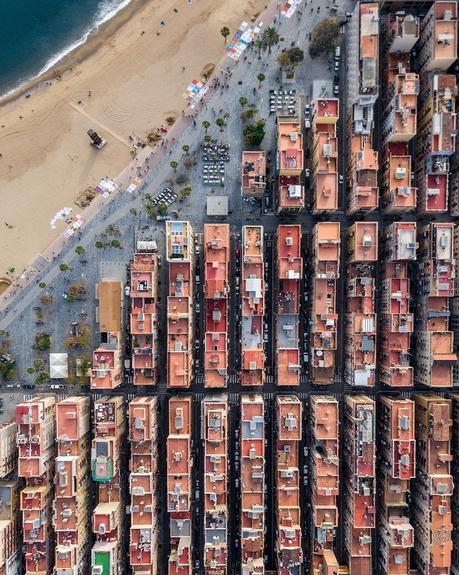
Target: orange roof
290	147
109	294
363	237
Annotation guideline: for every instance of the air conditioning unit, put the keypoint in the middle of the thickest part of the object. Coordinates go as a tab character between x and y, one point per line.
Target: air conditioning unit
97	570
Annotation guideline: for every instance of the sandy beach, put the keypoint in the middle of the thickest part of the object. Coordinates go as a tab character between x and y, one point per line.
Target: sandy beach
123	83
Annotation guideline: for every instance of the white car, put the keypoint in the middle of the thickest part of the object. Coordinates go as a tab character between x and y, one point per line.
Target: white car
341	179
57	386
307	172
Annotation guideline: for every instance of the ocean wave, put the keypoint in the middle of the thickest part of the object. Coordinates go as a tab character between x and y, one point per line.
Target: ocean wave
107	10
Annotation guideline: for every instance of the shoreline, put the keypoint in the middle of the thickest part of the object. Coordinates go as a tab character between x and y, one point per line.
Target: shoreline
46	161
97	37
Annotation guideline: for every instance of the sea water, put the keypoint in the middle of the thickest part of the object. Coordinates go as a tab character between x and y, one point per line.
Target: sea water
36	34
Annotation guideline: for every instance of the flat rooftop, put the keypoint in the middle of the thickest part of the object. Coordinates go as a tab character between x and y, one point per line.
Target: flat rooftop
109	295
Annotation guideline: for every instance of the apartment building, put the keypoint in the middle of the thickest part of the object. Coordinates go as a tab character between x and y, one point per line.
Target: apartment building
326	260
396	317
433	488
362	89
216	293
10	558
71	507
179	462
252	449
399	196
215	437
359	482
323	481
361	318
402	89
402	32
180	303
107	472
455	473
289	273
253	173
289	413
436	141
8	448
143	485
36	427
144	318
324	165
9	509
290	165
437	46
435	355
396	468
107	369
253	306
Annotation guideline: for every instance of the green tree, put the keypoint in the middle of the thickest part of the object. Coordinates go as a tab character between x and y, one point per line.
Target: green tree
133	211
261	77
99	244
83	367
254	134
290	59
174	165
243	101
186	149
64	267
324	37
296	55
162	209
115	244
220	123
206	125
185	192
112	230
207	139
79	250
225	32
251	113
42	341
30	370
41	378
271	37
37	363
42	285
260	46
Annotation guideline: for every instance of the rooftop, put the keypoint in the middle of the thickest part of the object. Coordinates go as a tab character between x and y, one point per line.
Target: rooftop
110	302
179	237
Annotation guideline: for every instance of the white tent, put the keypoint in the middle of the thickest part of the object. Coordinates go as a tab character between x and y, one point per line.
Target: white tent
58	365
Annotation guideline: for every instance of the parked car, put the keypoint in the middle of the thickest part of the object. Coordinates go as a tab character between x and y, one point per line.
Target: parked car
341	179
57	386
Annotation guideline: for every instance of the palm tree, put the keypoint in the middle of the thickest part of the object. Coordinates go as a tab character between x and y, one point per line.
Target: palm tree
174	165
220	123
243	101
260	45
260	78
186	149
64	267
185	192
79	250
206	125
225	31
271	37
